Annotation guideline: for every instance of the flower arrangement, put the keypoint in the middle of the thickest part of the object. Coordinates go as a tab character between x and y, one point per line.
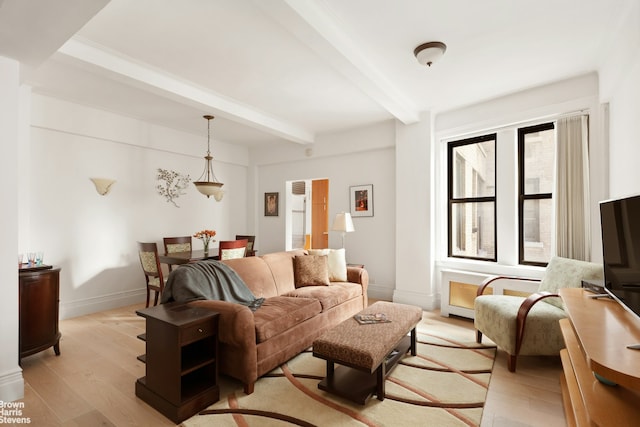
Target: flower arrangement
205	236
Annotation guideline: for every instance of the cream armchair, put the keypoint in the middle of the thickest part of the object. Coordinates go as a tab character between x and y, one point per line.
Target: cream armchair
521	326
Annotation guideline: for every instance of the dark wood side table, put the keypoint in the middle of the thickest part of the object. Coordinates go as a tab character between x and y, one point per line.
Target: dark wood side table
39	296
181	360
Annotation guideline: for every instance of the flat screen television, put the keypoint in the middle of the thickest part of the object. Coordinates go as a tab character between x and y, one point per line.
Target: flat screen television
620	224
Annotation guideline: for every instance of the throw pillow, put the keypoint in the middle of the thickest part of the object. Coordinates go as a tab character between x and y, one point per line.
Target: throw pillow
310	270
337	263
567	273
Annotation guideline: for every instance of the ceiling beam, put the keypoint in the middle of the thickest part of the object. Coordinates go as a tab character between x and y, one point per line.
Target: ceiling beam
314	25
139	74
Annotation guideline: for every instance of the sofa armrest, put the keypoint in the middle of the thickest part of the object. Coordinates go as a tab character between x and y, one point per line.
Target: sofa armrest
358	275
236	325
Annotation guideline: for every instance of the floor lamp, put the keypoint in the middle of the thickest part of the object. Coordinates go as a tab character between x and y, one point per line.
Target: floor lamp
344	224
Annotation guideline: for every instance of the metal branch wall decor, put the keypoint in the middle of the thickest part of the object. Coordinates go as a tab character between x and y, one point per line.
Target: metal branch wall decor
171	184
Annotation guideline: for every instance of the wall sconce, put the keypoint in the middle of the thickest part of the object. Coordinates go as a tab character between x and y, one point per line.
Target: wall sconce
103	185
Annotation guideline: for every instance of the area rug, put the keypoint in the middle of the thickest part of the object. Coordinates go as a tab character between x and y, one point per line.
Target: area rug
444	385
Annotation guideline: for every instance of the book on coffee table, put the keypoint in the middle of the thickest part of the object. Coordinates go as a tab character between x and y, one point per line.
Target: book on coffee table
368	319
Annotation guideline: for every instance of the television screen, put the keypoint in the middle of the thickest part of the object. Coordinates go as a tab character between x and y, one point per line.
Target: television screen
620	222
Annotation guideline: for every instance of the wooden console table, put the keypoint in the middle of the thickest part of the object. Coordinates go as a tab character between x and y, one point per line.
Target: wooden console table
596	335
181	360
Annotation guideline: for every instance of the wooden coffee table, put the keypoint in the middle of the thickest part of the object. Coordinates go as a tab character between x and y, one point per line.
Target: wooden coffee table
367	353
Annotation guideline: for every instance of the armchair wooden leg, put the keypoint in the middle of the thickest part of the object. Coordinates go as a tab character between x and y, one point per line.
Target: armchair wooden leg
511	362
478	337
148	296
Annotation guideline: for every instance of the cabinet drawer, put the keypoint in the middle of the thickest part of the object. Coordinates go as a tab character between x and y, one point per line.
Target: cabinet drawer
196	332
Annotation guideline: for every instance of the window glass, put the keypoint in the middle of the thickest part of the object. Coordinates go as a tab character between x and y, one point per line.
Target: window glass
536	151
472	201
539	149
537	230
475	163
474	232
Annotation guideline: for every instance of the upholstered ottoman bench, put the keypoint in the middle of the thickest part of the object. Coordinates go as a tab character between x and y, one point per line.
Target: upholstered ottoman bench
367	352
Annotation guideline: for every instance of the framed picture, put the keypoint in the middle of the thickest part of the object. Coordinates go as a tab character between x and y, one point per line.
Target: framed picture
361	200
271	204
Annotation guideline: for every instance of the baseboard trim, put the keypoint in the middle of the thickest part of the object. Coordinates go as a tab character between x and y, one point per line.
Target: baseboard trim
12	385
426	301
101	303
380	292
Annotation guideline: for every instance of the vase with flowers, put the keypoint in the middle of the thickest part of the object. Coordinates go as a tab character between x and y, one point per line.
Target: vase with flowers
206	236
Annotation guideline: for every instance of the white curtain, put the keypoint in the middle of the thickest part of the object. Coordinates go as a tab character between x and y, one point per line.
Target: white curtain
573	236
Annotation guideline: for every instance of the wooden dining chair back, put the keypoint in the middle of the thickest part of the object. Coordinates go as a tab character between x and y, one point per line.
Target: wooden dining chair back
251	240
176	244
148	253
230	249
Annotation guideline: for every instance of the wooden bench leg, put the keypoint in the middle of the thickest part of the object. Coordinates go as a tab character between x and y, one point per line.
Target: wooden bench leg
330	370
381	377
414	348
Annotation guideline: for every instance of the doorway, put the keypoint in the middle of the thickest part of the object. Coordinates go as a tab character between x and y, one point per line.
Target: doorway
307	214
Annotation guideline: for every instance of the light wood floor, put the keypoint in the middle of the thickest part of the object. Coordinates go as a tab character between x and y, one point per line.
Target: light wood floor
92	382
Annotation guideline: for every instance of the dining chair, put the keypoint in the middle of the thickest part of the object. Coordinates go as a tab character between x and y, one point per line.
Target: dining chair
148	253
230	249
250	243
176	244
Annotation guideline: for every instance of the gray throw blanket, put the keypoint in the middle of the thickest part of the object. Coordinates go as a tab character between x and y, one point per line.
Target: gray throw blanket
208	280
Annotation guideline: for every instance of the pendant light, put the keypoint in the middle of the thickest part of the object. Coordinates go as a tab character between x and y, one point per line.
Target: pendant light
208	184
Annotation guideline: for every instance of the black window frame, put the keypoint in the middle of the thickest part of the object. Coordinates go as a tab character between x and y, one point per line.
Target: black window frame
451	201
522	196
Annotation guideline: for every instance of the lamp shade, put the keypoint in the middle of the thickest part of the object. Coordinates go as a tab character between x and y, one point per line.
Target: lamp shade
343	223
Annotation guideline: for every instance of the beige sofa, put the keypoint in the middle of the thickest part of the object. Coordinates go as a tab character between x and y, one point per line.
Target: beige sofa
288	321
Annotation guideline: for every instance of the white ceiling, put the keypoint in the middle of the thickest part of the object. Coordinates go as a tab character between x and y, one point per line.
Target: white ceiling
285	71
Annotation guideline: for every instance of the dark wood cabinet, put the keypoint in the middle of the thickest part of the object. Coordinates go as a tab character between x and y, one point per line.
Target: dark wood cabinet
39	291
181	360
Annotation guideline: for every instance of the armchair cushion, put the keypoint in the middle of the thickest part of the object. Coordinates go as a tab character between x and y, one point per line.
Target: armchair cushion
495	316
567	273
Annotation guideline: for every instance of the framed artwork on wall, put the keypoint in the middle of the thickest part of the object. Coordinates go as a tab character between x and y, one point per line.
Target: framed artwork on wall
361	200
271	204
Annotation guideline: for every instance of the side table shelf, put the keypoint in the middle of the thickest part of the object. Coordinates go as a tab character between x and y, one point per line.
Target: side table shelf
181	360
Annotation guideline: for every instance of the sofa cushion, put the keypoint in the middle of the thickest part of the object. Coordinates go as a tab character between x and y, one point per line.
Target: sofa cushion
279	314
337	263
281	266
256	274
329	296
311	270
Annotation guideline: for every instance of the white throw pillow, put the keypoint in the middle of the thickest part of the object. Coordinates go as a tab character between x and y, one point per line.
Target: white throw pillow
337	263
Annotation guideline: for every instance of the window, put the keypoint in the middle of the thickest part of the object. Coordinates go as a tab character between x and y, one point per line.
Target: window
536	153
472	198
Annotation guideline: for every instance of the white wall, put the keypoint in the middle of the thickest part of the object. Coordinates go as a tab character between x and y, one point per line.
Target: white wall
11	382
414	212
357	157
620	80
92	237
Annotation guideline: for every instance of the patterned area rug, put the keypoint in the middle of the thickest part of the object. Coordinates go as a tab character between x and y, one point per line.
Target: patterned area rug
444	385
